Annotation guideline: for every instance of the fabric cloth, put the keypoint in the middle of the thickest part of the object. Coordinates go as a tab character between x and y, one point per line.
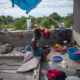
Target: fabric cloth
28	55
38	52
54	74
27	48
46	34
30	62
1	43
27	5
51	76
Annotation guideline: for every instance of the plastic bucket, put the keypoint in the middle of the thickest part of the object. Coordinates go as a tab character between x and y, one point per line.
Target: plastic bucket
57	69
72	55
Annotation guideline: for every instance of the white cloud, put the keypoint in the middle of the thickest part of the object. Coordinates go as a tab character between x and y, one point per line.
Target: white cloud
45	8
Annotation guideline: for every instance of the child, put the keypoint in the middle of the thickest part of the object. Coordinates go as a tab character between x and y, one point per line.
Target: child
36	48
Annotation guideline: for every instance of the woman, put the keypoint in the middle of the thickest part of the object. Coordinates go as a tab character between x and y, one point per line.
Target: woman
36	48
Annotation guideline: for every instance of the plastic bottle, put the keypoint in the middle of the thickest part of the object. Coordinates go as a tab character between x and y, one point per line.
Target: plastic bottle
51	65
64	64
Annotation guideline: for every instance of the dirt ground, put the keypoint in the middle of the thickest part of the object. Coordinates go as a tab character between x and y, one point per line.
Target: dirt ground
69	69
9	63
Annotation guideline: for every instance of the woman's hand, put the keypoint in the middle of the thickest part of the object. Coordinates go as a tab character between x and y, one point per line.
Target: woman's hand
41	45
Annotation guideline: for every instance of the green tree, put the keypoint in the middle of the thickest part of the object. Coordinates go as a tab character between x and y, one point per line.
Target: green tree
48	22
45	23
68	20
38	20
33	20
4	19
24	26
1	21
55	16
20	23
9	19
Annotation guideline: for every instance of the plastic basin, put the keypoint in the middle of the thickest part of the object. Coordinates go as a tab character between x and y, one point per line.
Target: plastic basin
57	69
72	55
60	49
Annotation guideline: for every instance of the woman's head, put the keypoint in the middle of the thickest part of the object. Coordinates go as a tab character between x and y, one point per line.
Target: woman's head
37	34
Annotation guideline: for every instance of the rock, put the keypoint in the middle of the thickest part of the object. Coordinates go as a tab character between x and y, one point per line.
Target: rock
18	48
6	48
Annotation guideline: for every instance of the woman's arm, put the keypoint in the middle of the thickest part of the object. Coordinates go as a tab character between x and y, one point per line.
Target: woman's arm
33	44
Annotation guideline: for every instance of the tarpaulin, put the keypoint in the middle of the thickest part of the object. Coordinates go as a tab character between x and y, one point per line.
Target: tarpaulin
27	5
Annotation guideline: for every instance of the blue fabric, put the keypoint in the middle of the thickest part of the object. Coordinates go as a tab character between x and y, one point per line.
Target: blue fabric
1	43
23	51
38	52
27	48
27	5
41	40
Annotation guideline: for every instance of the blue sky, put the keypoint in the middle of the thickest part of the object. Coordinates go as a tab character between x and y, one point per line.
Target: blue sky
45	8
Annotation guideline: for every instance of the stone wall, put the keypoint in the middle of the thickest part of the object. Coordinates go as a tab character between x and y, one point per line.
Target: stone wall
76	21
76	36
76	16
16	38
22	38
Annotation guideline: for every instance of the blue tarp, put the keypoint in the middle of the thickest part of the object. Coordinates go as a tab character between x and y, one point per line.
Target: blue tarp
27	5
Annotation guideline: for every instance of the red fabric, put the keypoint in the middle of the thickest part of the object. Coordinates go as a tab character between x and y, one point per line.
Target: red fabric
43	29
38	28
58	72
51	76
46	34
53	73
